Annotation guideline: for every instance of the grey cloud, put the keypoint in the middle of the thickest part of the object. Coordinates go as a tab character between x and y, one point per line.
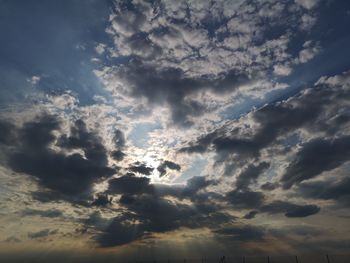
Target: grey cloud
146	204
250	174
250	215
141	169
42	233
119	233
167	164
290	209
67	175
330	189
315	157
50	213
6	132
173	87
119	140
149	214
308	110
118	155
102	200
245	199
269	186
129	184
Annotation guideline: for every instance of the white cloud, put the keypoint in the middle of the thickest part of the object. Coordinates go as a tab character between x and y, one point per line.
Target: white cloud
34	80
309	51
282	70
308	4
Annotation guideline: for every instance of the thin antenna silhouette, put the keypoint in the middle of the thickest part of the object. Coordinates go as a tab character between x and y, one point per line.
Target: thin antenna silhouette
296	259
268	259
243	259
327	258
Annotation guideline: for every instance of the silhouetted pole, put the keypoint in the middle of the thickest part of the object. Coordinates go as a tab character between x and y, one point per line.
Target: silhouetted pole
243	259
202	260
296	259
268	259
327	258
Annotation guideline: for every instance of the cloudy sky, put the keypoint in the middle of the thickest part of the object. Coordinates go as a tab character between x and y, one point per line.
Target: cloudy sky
153	129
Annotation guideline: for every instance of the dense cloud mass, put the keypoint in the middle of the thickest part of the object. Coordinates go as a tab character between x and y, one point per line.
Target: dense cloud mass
170	129
69	174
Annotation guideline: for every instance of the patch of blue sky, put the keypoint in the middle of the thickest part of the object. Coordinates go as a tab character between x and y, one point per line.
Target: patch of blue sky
54	40
196	169
139	135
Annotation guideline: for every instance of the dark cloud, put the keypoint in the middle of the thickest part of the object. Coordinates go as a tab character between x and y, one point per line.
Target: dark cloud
67	174
308	110
147	205
129	184
42	233
102	200
250	174
89	142
269	186
327	190
119	233
118	155
290	209
250	215
273	120
171	86
6	132
245	199
315	157
167	164
141	169
50	213
119	140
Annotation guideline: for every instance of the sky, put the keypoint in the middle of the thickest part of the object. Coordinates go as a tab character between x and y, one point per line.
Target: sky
134	130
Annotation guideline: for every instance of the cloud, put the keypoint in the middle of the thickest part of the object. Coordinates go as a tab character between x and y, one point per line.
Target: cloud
141	168
149	209
329	189
171	54
50	213
290	209
250	174
167	165
250	215
313	118
102	200
245	199
129	184
42	233
69	175
269	186
315	157
6	135
308	4
172	87
119	233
